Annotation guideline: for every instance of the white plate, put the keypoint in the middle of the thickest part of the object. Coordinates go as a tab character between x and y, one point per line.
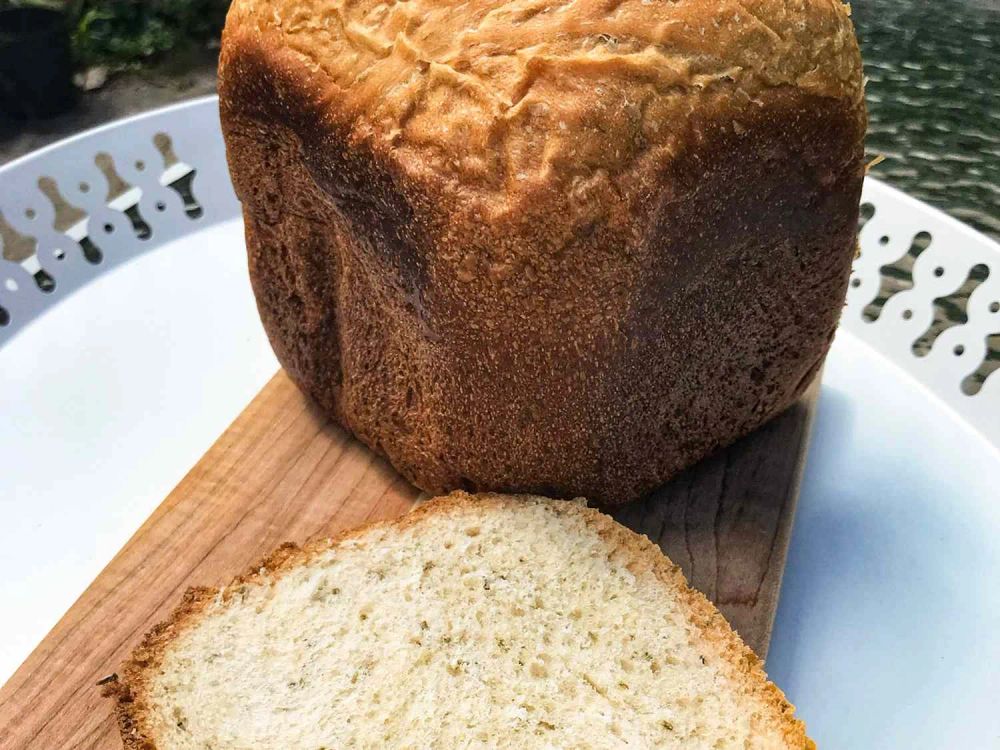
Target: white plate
888	627
888	631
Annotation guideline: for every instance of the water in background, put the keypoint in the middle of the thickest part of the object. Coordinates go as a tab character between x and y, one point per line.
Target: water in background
934	101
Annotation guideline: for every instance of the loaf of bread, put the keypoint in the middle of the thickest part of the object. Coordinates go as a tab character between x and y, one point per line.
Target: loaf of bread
511	622
556	246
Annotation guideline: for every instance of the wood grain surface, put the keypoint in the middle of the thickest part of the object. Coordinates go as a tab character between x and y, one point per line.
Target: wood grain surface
284	472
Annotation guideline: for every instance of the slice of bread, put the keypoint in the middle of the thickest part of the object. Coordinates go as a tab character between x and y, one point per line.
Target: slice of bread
486	621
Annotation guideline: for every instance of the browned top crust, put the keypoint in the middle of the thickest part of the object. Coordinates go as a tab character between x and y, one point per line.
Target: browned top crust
496	97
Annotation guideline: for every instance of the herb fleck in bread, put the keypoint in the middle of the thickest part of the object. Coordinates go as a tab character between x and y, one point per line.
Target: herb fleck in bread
567	247
497	621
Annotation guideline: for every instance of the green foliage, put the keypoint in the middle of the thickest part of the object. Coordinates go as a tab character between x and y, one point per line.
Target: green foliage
127	32
51	4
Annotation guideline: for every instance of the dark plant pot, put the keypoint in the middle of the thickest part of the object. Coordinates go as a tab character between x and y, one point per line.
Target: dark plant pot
36	67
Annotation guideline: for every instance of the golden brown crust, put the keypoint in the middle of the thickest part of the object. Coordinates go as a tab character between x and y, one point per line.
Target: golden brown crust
637	552
652	270
494	95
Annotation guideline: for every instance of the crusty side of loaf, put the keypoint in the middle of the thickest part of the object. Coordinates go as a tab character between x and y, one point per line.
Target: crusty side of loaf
764	718
570	267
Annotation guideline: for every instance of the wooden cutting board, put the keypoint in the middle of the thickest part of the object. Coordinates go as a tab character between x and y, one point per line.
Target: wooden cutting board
283	472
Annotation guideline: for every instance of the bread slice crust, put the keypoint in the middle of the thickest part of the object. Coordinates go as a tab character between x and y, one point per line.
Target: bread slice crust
737	661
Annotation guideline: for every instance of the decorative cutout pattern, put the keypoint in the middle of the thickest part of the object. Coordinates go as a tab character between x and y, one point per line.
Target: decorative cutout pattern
122	196
951	310
925	291
177	175
20	249
69	220
83	206
866	211
896	276
973	382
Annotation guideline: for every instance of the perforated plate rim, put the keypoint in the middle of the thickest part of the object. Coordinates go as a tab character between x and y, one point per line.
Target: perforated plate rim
936	272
